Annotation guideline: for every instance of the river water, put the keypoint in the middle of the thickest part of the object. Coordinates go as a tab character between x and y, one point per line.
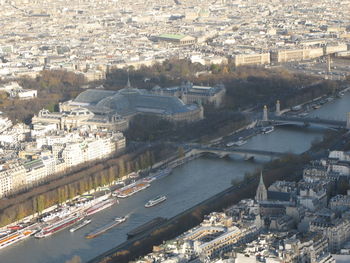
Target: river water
186	186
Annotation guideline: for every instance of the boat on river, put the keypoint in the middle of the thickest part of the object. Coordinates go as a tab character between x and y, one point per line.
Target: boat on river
58	226
14	237
158	175
155	201
131	189
101	206
103	229
81	225
268	129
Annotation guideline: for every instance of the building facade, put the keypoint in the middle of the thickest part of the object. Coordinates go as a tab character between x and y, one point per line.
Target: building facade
288	55
61	153
128	102
80	117
190	93
251	59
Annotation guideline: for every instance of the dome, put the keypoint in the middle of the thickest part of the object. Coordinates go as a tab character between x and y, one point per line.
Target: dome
93	96
118	102
129	101
129	91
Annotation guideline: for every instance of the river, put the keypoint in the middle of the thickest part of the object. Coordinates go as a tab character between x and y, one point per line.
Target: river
186	186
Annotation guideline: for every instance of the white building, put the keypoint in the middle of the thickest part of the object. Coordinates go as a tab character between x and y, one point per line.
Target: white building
337	232
16	91
25	94
17	134
40	129
5	123
6	183
89	149
339	155
36	171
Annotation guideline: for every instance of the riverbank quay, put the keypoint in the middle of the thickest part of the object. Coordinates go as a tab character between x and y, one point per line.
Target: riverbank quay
171	183
188	185
307	107
288	168
85	179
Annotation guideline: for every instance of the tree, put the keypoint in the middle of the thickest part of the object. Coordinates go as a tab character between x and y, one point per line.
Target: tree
235	181
21	212
60	195
121	167
111	174
181	152
75	259
40	203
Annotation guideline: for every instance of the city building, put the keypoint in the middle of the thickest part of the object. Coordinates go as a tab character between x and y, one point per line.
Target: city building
261	192
280	56
251	59
16	91
337	231
5	123
54	153
340	203
131	101
339	155
78	117
190	93
177	39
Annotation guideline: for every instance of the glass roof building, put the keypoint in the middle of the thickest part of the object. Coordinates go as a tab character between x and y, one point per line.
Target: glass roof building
130	101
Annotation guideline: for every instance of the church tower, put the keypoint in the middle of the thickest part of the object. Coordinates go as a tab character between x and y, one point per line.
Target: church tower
261	192
128	84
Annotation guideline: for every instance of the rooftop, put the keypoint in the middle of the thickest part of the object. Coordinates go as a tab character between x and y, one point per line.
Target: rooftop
172	36
129	101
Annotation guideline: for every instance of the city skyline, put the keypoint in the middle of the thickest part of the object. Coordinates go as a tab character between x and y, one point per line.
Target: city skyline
174	131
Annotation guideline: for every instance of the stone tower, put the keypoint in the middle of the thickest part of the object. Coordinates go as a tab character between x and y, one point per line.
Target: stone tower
265	115
278	108
261	192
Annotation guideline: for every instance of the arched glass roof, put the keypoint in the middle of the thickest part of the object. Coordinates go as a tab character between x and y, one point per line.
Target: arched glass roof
93	96
128	101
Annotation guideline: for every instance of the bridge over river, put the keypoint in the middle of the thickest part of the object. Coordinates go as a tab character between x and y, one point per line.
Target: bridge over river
278	118
284	120
248	153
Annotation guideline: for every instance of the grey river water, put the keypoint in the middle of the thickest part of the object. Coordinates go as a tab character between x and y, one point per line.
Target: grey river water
186	186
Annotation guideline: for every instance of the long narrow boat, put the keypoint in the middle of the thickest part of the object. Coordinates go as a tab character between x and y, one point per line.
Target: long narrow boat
100	206
101	230
131	189
81	225
268	129
158	175
57	226
155	201
14	237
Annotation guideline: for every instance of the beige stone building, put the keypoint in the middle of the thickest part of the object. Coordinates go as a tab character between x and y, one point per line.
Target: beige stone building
79	117
251	59
129	102
280	56
190	93
177	39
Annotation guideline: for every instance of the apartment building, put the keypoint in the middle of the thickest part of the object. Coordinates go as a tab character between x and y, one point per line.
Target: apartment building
337	231
64	152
